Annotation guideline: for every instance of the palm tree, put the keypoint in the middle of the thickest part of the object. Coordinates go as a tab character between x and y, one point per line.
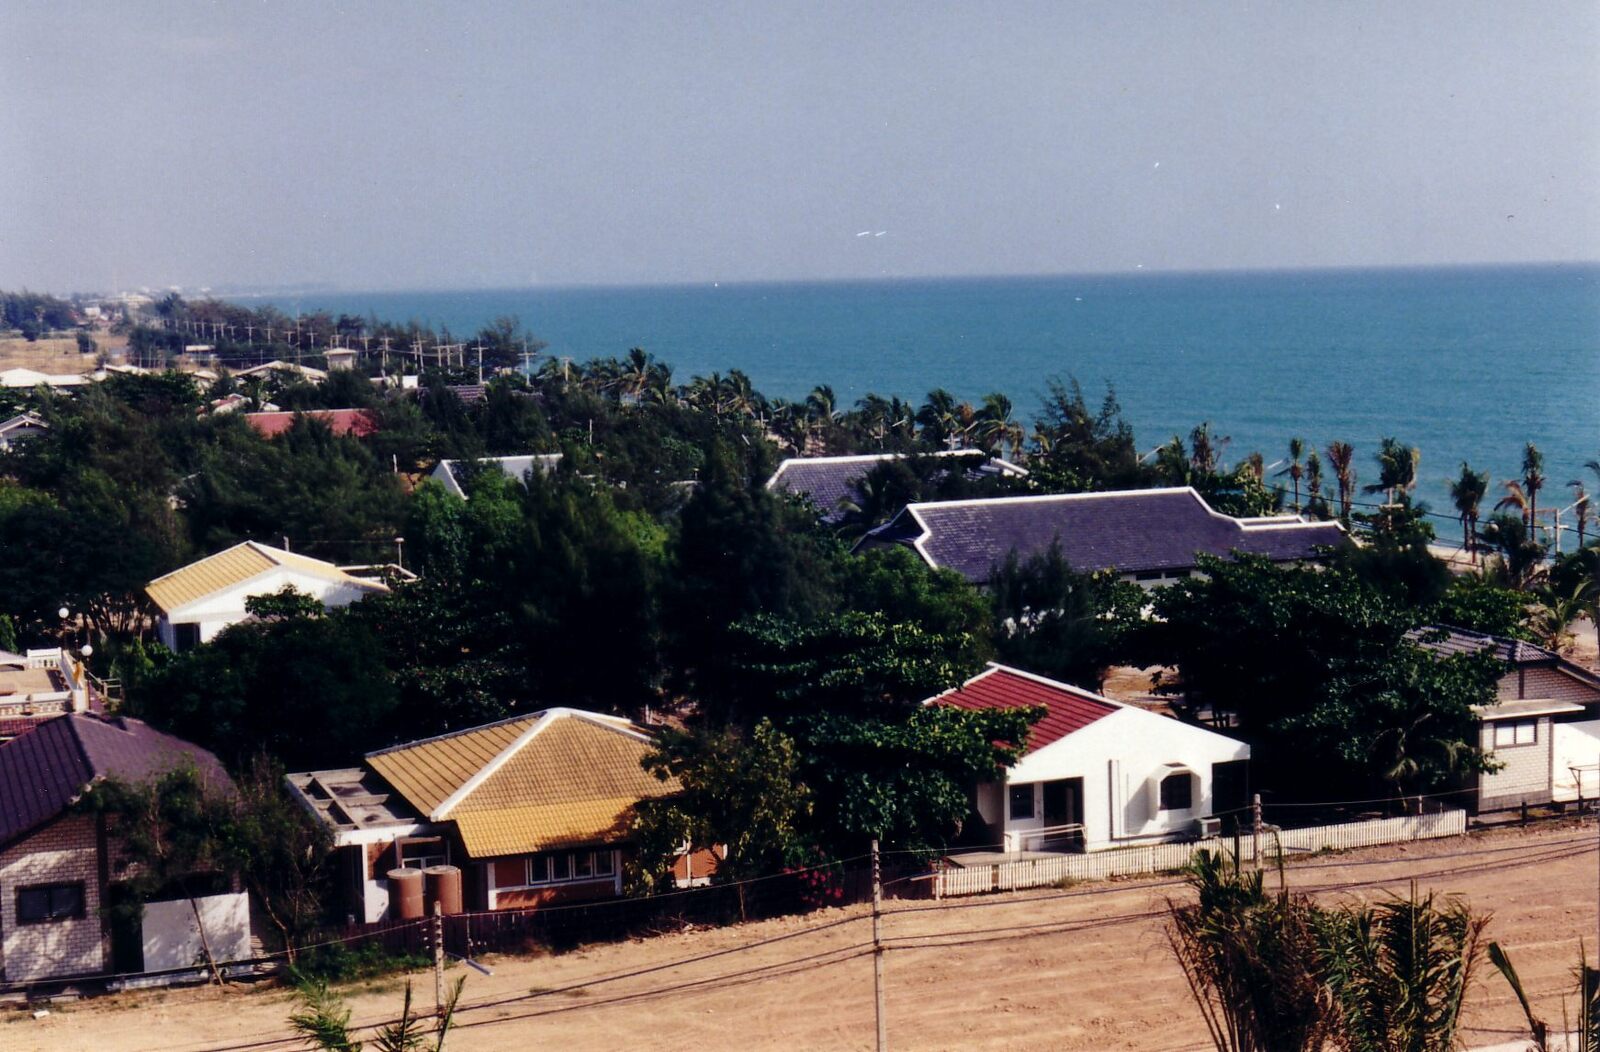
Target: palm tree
1519	555
637	371
1314	501
1515	498
1533	480
1397	470
1467	492
1580	510
1341	457
1256	464
997	427
938	417
1297	449
1557	609
1204	450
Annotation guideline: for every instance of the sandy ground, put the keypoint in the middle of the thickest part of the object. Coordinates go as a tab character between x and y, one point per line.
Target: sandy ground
1084	968
46	356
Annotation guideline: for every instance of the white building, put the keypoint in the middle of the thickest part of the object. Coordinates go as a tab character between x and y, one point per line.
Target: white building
20	427
203	598
448	473
1097	773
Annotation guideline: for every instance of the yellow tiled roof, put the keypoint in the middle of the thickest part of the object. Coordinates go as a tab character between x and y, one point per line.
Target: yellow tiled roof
576	780
234	566
539	827
428	772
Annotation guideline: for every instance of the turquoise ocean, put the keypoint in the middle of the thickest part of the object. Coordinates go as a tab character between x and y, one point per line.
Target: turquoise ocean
1467	363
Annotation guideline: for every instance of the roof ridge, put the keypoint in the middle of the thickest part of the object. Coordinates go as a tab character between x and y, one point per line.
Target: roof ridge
1055	684
447	735
1042	498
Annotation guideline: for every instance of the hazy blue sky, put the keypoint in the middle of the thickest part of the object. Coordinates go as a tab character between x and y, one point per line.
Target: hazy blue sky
409	145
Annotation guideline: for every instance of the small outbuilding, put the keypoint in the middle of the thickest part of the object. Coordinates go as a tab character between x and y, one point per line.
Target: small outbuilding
1096	773
451	473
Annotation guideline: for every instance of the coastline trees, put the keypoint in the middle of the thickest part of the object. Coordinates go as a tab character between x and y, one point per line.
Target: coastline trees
1294	469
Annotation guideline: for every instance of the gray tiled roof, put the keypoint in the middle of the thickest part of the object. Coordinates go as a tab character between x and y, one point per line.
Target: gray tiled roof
827	481
45	769
1130	531
1446	641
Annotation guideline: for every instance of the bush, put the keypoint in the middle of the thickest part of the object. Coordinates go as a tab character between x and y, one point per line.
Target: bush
338	962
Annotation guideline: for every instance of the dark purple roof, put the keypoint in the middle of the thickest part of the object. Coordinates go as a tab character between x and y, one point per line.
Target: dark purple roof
1131	531
45	769
827	481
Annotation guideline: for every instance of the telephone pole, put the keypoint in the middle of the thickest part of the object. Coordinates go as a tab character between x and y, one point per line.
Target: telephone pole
877	947
438	959
1255	830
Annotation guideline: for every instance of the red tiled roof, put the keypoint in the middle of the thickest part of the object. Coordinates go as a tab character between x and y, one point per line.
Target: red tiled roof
358	422
1069	708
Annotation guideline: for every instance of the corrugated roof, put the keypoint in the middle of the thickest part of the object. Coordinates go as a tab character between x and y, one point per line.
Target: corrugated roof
550	778
1068	708
1129	531
44	769
234	566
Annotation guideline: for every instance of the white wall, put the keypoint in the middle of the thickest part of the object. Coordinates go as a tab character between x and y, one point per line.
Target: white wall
1576	745
1121	758
172	935
217	612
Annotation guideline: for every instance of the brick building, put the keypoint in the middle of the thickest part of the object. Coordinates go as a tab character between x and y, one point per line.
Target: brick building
59	867
1544	729
534	810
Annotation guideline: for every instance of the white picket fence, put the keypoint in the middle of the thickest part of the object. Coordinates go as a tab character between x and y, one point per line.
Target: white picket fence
1164	858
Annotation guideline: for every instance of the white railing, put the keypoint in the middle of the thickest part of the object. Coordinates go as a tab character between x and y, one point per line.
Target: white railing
1040	839
1167	857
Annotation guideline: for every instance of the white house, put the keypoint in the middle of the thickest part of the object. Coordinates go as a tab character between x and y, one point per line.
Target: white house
20	427
1097	773
203	598
448	473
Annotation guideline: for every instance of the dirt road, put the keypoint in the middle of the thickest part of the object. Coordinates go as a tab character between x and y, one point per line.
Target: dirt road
1077	969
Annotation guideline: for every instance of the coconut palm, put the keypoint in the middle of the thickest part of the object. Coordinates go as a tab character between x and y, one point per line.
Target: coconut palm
1397	470
996	426
1533	480
1519	557
1204	449
939	418
1341	457
1314	501
1516	497
1556	611
1467	493
1295	470
1580	510
1256	464
323	1019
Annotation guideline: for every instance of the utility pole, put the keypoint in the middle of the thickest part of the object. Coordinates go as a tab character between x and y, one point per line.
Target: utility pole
480	361
1255	832
877	947
438	959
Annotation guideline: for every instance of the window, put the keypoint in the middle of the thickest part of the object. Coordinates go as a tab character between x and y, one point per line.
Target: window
422	852
1022	801
1515	732
49	902
185	635
554	867
1177	792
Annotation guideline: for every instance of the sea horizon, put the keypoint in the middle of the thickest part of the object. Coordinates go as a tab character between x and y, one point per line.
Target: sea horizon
259	292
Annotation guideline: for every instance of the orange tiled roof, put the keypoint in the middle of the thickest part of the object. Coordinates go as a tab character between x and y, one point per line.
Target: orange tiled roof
550	778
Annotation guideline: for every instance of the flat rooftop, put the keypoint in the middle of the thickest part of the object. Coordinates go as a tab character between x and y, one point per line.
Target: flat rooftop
351	798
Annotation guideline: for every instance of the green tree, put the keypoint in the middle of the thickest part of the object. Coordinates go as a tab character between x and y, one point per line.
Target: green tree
740	791
1062	624
1467	493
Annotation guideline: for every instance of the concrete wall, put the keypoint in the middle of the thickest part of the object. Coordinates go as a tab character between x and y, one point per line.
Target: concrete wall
1575	745
64	852
172	935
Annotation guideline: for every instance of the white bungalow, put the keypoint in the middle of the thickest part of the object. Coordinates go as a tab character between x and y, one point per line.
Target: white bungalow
1097	773
20	427
517	469
203	598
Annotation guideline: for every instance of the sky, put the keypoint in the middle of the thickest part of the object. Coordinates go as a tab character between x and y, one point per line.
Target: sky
454	145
